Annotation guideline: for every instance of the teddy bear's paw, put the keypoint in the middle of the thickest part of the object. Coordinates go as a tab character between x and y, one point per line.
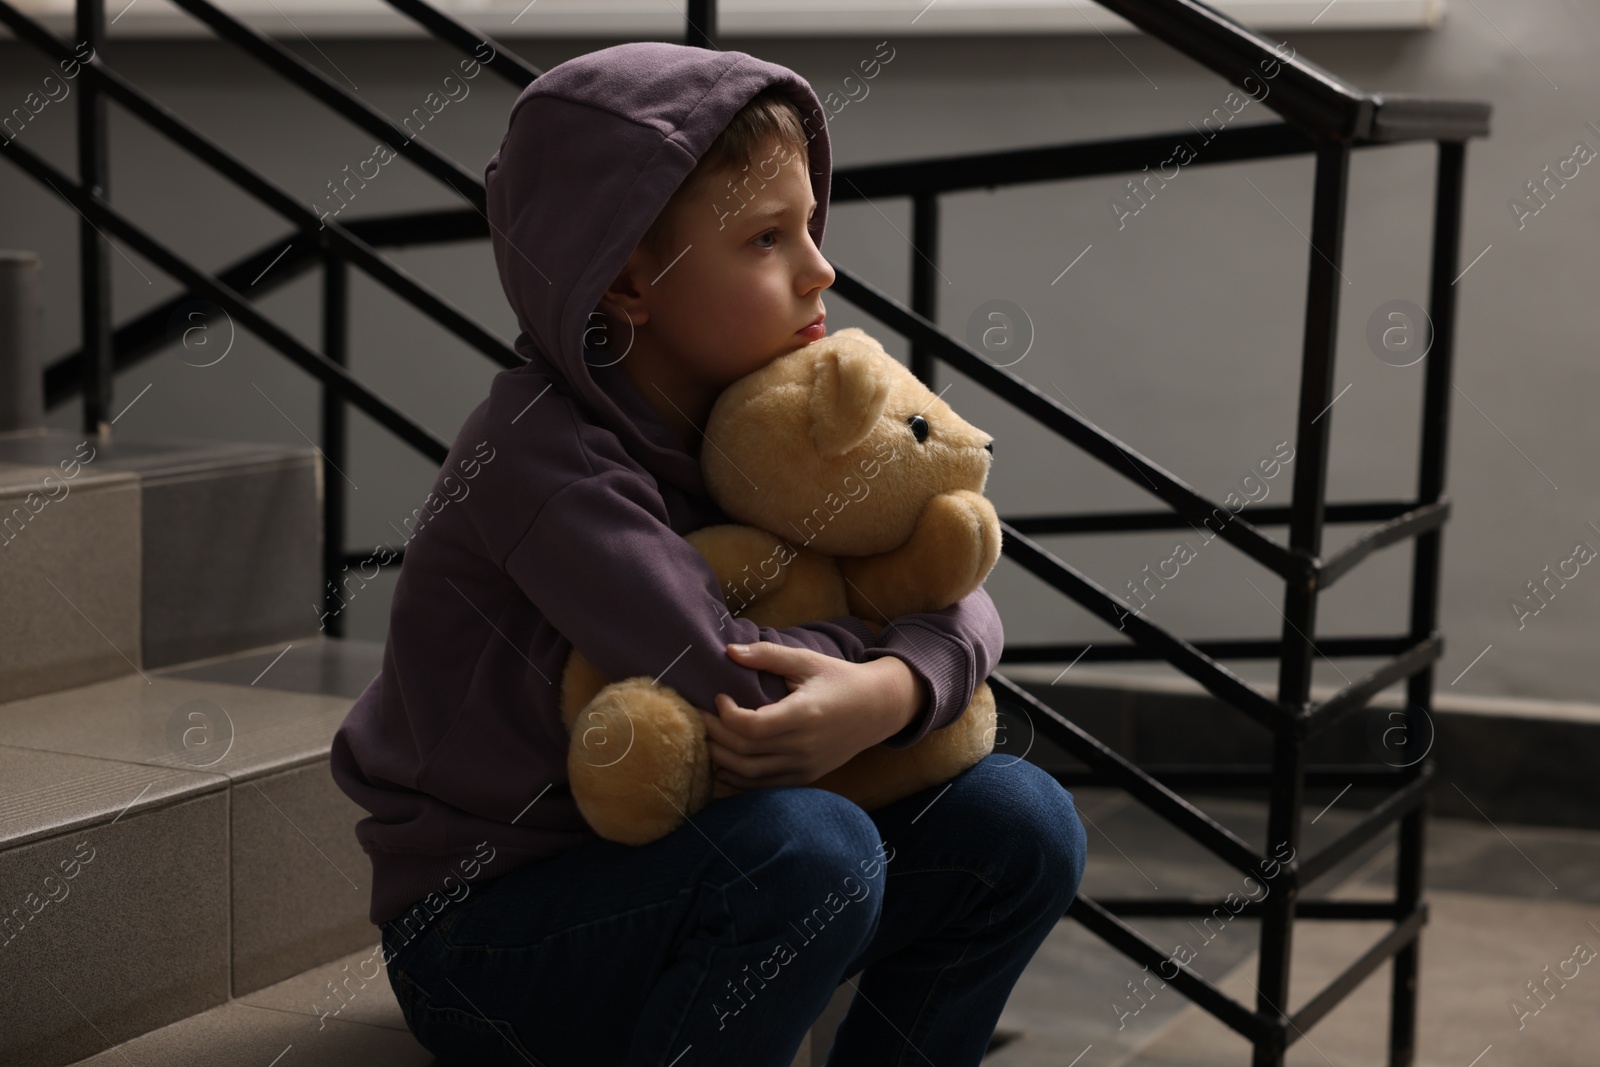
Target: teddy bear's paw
962	533
603	732
638	765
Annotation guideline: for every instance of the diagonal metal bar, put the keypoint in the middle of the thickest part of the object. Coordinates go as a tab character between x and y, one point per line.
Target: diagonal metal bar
330	233
293	68
1404	934
1363	689
1093	440
147	333
1181	654
1302	92
313	362
1394	806
1206	831
1204	776
429	226
1123	521
1413	523
1125	939
455	32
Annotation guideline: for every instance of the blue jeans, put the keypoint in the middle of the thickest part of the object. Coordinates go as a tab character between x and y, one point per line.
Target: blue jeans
722	942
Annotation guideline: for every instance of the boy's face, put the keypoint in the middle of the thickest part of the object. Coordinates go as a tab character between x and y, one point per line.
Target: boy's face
739	282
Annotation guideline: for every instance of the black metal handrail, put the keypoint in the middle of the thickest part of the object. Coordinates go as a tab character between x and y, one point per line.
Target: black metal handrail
1324	117
146	334
1315	100
1328	119
1058	418
330	93
328	234
99	213
314	240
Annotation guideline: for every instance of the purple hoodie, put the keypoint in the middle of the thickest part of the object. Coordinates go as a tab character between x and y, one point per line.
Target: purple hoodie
558	516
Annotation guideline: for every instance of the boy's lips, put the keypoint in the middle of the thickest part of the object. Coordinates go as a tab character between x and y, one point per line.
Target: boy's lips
814	325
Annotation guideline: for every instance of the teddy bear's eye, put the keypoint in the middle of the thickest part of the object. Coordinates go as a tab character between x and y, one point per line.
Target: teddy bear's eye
919	428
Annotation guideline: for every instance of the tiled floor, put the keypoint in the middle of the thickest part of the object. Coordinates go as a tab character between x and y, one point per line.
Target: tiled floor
1506	901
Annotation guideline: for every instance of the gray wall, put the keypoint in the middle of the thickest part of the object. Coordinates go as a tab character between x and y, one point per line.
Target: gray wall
1179	334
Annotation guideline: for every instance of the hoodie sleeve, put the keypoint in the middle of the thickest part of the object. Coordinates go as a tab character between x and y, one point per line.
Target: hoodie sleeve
604	567
638	599
953	650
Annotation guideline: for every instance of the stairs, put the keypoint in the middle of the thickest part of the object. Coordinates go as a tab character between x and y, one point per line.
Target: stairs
180	882
170	838
172	550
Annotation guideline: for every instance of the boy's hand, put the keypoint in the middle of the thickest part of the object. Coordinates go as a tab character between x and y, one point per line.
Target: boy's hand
834	710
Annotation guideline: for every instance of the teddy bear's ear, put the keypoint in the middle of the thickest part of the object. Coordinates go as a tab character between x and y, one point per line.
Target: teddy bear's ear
848	395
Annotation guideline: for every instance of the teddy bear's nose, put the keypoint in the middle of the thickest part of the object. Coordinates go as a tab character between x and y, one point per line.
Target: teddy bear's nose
989	448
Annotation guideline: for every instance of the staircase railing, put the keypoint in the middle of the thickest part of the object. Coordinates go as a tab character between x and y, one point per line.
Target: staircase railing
1327	118
1323	116
314	241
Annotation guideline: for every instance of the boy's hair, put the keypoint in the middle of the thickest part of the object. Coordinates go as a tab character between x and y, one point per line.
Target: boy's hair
769	115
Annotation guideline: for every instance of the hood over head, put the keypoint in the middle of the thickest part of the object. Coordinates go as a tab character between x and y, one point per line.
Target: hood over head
595	148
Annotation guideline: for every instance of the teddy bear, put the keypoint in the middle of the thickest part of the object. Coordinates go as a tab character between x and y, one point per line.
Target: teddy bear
876	485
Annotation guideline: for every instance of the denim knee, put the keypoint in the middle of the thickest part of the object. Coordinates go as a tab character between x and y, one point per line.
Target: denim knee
822	841
1043	840
1069	844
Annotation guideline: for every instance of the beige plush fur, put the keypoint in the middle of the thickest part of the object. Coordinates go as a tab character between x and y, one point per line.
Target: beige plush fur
847	513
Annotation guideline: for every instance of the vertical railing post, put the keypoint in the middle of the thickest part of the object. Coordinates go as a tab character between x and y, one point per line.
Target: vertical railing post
700	24
1300	593
93	254
335	443
1425	570
924	268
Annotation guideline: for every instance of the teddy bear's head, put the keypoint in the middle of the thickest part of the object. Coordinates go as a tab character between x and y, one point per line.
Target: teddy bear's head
838	447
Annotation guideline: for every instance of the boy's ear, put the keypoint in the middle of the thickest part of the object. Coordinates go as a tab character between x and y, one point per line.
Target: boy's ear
848	396
624	297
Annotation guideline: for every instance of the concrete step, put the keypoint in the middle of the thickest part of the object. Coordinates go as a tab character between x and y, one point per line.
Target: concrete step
180	875
130	555
170	840
341	1014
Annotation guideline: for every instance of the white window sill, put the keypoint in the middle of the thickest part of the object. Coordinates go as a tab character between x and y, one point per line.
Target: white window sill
639	19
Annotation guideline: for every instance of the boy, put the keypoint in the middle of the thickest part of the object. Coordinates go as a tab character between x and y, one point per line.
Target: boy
645	279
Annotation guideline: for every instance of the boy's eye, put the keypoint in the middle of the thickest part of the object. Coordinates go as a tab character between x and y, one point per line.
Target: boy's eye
770	233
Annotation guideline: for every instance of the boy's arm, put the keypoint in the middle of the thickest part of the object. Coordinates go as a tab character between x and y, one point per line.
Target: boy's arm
601	563
952	650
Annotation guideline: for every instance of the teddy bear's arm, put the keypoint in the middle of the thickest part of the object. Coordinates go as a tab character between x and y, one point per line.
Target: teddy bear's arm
748	561
952	550
767	580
